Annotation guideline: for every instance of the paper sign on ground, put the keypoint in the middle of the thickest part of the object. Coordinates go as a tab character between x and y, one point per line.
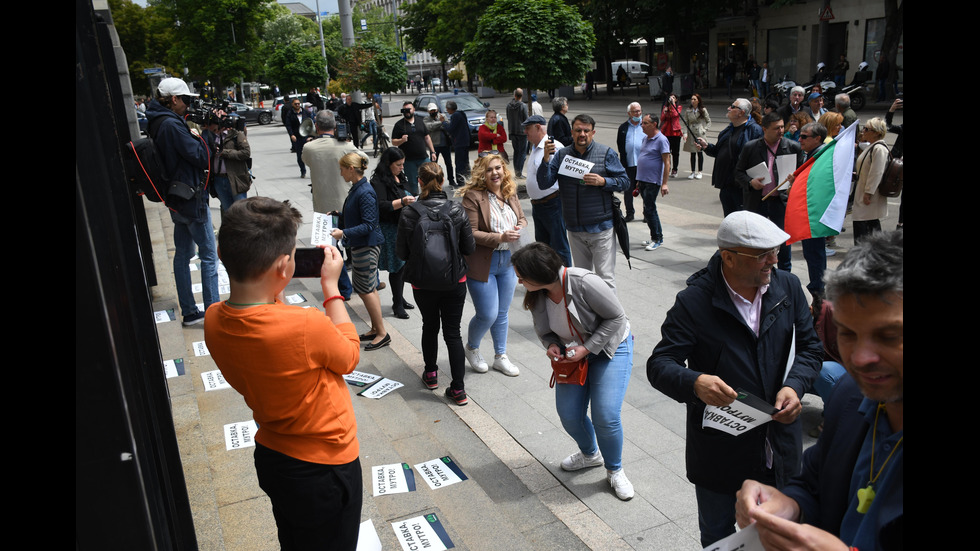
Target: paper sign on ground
214	380
193	267
367	537
200	349
739	417
223	279
574	167
240	435
323	224
425	532
396	478
295	298
197	288
360	378
162	316
440	472
224	289
746	539
379	389
173	368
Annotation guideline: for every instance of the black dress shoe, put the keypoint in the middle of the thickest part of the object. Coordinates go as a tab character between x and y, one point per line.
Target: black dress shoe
408	305
380	344
629	218
367	336
400	313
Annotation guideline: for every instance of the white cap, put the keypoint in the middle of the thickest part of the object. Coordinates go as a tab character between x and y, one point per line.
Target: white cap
432	107
747	229
174	87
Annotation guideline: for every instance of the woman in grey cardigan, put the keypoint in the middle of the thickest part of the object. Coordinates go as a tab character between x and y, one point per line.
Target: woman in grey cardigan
570	305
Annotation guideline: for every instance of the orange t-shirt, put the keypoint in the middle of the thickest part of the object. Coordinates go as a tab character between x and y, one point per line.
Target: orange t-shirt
288	363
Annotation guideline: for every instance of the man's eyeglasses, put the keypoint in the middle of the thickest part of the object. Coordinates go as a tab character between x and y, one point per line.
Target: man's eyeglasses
805	136
761	257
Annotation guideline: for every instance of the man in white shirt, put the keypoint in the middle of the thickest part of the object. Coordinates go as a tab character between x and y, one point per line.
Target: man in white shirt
549	224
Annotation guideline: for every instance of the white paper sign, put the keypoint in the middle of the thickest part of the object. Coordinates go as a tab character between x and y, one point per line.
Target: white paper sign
367	537
739	417
173	368
214	380
396	478
746	539
200	349
360	378
193	267
223	279
424	532
240	435
224	289
574	168
197	287
295	299
440	472
760	170
163	316
785	165
323	224
379	389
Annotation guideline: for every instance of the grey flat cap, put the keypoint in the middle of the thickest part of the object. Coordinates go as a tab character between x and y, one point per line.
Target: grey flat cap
748	229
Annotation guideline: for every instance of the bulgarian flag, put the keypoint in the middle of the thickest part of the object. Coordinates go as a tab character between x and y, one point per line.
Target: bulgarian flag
818	199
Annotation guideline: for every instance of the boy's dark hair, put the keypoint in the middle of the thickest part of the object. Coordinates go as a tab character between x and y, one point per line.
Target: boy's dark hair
254	233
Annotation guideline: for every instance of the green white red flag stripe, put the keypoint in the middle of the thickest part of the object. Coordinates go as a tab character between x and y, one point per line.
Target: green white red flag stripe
818	199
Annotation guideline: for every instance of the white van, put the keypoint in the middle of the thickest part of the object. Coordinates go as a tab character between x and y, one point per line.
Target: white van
637	71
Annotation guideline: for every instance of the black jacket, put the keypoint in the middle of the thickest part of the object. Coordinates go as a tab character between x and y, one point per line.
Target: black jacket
755	152
704	330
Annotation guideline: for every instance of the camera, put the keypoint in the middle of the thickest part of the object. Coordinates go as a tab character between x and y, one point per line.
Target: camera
206	114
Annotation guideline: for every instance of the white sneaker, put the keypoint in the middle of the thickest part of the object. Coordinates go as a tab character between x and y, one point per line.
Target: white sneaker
578	461
692	176
476	359
502	364
698	176
647	242
653	246
620	484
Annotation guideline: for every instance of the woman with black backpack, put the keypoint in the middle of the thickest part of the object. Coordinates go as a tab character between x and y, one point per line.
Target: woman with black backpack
434	236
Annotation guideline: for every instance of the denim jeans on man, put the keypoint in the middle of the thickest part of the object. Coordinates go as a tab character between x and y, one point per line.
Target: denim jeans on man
519	141
187	237
549	226
492	299
222	186
650	192
605	388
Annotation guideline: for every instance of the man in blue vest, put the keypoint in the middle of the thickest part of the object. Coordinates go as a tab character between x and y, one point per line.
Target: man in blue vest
588	174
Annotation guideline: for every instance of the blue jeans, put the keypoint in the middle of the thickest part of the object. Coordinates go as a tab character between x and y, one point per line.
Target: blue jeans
650	192
519	142
549	227
412	173
371	127
492	300
815	254
716	515
830	373
187	235
222	186
462	164
606	389
447	157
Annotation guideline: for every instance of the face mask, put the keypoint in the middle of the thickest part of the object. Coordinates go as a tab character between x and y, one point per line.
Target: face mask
635	119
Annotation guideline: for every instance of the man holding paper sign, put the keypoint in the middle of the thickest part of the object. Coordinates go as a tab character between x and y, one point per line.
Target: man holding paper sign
762	165
740	324
587	174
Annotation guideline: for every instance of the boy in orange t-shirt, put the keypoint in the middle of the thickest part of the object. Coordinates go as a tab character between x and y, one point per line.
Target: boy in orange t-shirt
288	363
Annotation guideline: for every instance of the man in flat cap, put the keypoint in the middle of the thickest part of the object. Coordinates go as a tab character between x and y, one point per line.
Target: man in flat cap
741	326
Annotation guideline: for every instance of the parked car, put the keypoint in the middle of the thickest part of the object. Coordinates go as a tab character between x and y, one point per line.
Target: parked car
471	106
251	115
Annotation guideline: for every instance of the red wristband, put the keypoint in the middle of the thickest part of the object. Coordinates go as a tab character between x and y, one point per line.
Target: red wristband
335	297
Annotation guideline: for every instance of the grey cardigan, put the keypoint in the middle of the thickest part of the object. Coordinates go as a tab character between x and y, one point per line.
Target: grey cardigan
596	314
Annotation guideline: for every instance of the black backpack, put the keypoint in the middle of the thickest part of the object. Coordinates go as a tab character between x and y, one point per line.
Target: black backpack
144	170
436	264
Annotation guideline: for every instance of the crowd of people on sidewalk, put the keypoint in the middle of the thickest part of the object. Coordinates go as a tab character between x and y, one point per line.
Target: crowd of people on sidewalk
741	334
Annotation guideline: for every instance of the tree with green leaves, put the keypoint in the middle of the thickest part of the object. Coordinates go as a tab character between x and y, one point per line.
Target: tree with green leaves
145	35
372	65
296	67
535	43
442	27
217	40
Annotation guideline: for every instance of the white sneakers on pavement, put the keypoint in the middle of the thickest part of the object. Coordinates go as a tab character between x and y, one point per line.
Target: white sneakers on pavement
503	364
652	246
578	461
620	484
476	359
